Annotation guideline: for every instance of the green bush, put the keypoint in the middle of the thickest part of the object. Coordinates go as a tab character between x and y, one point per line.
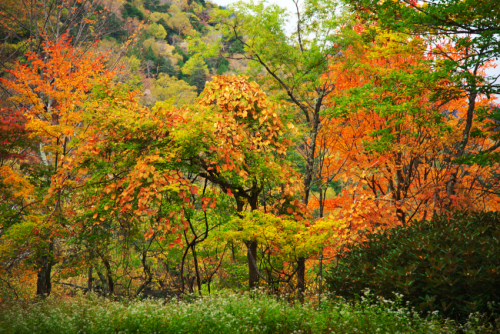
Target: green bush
446	265
218	314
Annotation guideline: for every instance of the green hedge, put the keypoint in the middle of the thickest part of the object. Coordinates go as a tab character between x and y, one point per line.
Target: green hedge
446	265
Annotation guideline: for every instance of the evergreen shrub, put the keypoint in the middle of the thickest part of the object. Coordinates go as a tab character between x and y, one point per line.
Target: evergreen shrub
450	265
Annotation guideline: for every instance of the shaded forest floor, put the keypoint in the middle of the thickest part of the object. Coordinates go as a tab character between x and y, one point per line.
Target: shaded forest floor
232	313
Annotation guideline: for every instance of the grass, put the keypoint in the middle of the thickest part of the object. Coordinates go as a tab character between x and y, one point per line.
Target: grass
215	314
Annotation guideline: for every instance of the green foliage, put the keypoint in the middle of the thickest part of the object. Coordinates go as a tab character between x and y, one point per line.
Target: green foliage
181	52
197	70
450	265
132	11
165	66
167	88
168	28
155	6
150	55
115	26
200	27
235	46
303	59
220	314
470	24
223	66
198	78
472	29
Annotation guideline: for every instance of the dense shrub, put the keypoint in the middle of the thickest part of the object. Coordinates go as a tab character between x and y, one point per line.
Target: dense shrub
448	264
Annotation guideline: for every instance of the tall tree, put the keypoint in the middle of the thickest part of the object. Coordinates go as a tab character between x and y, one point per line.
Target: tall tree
134	163
51	92
293	63
127	168
396	133
240	147
465	37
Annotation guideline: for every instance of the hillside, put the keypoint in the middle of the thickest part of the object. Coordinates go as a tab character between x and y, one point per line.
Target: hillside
157	58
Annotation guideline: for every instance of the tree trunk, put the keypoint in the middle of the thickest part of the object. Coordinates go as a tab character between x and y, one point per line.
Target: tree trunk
301	274
320	277
110	284
196	269
105	288
89	282
147	271
43	283
253	277
308	179
450	185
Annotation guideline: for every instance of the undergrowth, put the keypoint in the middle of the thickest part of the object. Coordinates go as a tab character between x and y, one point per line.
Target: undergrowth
237	313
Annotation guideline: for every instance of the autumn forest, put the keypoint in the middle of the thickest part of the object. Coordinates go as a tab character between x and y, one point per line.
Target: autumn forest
165	160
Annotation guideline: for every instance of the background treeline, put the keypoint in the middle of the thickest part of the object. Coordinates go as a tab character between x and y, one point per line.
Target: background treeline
136	159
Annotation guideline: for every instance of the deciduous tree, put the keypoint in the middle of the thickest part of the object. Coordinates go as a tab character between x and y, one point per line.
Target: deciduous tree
394	133
51	92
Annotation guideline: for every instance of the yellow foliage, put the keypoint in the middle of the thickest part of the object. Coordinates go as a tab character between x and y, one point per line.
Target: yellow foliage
170	91
283	235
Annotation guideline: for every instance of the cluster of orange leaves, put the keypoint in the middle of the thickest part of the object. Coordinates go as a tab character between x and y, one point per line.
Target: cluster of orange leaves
409	179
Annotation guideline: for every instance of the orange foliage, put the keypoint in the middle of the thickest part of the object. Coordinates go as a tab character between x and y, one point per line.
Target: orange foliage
394	145
52	91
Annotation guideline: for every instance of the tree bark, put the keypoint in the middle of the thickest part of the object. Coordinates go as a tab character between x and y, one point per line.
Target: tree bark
450	185
147	271
301	274
253	277
89	282
105	288
111	285
196	269
320	277
308	180
43	283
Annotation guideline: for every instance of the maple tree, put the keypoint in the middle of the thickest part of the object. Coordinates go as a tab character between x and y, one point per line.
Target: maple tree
293	64
138	166
50	92
123	168
242	145
463	36
392	133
